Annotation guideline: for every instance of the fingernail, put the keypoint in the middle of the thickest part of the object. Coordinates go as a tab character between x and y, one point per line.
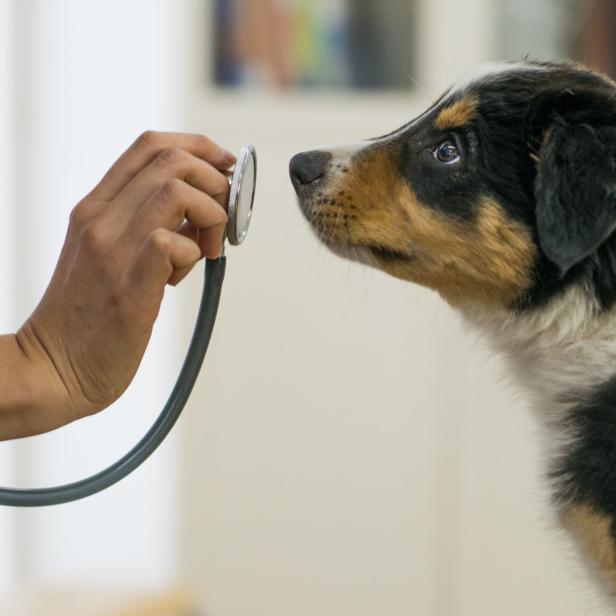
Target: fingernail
230	157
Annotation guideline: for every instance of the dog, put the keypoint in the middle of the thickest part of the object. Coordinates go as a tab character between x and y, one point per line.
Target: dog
501	197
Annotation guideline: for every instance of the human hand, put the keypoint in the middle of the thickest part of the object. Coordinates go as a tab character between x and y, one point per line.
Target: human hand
158	210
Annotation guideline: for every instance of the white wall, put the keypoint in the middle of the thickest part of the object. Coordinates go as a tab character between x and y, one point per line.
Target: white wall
7	267
89	77
350	450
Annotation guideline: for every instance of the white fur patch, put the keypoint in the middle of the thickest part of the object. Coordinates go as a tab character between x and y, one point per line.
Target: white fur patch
558	353
342	157
343	152
558	350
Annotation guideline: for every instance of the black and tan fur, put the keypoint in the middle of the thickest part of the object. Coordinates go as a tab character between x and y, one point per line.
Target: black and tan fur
502	198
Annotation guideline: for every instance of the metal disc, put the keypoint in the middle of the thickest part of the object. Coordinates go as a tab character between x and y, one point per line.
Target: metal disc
242	195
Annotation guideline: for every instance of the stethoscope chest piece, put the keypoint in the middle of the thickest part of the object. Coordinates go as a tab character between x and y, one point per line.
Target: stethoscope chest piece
242	195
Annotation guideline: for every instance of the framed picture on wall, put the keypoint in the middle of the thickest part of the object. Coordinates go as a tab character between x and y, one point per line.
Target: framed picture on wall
287	44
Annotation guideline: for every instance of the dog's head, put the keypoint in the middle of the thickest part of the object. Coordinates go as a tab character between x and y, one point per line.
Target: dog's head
503	193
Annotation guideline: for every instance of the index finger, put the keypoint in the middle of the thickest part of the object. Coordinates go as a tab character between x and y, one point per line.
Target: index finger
147	147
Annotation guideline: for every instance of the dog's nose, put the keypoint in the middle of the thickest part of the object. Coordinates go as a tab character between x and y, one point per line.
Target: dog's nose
308	167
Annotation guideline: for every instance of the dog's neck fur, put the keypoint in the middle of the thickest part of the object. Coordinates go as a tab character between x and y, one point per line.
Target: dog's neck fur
559	352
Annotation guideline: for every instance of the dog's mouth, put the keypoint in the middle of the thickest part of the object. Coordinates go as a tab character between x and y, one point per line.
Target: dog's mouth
331	228
388	255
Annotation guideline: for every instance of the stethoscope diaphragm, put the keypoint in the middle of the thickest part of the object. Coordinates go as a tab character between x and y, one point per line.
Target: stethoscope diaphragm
242	195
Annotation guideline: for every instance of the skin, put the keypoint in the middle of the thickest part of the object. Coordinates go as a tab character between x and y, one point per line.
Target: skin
153	216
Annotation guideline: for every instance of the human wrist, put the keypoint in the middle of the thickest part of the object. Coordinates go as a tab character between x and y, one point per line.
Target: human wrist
18	402
33	398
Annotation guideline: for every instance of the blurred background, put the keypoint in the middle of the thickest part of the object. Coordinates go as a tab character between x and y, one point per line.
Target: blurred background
349	449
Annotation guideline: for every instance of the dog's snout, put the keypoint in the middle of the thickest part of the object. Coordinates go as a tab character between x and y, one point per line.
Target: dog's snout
308	167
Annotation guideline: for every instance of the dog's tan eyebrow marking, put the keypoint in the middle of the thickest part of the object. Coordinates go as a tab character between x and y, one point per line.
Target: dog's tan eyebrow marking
458	114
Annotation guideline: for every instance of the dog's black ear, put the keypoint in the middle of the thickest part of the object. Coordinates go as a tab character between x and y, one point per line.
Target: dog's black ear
575	186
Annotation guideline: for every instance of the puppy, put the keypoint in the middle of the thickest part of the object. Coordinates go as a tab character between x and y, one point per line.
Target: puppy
502	198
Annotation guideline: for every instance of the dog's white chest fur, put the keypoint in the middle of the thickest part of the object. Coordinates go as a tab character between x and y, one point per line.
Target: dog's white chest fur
559	352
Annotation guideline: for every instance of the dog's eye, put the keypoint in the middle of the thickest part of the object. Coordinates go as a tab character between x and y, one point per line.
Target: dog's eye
446	153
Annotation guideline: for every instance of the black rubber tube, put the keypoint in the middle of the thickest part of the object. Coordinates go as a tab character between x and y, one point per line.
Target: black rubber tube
42	497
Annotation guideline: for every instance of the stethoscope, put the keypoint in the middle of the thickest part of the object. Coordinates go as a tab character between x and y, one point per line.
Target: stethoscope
241	198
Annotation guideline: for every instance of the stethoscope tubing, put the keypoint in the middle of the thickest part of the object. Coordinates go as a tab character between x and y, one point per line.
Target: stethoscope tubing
43	497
